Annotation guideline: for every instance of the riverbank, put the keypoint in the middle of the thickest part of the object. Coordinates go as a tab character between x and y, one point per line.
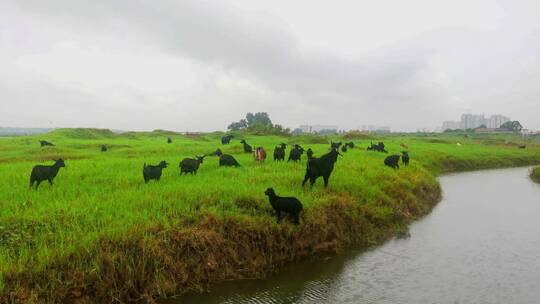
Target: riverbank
535	174
101	235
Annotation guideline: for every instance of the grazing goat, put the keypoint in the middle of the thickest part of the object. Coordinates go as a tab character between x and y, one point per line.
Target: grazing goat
247	147
323	166
41	173
378	147
279	152
296	153
290	205
226	139
45	143
153	172
350	145
392	161
226	160
522	147
404	146
405	158
309	153
344	148
334	145
169	140
103	148
191	165
216	153
259	154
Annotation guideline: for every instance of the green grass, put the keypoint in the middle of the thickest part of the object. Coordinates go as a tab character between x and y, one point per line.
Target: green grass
100	208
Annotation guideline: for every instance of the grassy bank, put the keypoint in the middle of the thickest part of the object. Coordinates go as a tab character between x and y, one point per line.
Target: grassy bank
535	174
100	234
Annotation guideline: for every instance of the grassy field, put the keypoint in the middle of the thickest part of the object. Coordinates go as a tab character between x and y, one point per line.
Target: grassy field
101	234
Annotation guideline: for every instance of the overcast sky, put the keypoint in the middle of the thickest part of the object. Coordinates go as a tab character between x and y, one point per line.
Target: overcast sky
198	65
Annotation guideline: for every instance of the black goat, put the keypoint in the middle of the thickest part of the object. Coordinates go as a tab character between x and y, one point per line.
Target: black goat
279	152
226	160
41	173
309	153
45	143
392	161
344	148
169	140
191	165
153	172
350	145
378	147
247	147
405	158
322	166
296	153
290	205
103	148
226	139
216	153
335	145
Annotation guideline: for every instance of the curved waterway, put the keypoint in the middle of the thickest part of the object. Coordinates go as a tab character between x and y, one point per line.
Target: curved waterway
481	244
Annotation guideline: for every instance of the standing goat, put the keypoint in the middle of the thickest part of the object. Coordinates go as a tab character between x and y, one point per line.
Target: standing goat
153	172
296	153
190	165
247	147
323	166
279	152
226	139
41	173
259	155
289	205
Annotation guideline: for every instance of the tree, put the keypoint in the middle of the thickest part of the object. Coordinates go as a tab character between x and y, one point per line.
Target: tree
258	123
239	125
512	126
258	120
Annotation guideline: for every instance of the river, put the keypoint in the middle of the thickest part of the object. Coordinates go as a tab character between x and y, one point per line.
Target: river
481	244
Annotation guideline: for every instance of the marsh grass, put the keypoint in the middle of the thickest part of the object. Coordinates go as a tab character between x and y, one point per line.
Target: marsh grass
535	174
101	234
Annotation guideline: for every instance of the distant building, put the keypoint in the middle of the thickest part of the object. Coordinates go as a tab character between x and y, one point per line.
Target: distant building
451	125
318	128
376	129
496	121
473	121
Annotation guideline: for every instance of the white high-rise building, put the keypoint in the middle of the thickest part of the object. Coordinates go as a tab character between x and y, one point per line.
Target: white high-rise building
496	121
472	121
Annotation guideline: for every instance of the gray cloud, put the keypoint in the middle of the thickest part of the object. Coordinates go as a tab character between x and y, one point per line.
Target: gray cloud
254	61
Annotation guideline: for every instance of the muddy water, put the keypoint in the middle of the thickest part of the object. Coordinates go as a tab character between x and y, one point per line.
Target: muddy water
481	244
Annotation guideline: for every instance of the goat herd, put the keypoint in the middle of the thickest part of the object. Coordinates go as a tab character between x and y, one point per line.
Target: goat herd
316	167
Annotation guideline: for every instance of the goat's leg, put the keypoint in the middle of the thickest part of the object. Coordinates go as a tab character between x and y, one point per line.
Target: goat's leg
326	180
278	213
306	177
50	181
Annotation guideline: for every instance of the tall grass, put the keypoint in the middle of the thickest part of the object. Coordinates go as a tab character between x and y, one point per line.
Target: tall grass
535	174
99	203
